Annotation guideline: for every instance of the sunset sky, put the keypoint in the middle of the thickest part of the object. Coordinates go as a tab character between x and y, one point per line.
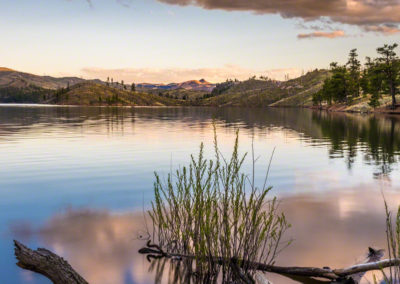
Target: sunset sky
177	40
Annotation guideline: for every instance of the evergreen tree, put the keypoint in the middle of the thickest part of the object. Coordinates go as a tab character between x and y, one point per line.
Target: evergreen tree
338	84
327	91
389	65
317	98
354	66
133	87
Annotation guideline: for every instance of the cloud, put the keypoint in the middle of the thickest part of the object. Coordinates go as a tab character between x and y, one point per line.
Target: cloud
383	29
168	75
125	3
354	12
320	34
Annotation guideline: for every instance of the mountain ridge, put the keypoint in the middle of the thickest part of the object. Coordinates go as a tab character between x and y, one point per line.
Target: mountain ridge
196	85
18	79
23	87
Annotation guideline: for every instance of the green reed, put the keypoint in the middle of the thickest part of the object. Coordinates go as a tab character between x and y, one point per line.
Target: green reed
392	275
214	212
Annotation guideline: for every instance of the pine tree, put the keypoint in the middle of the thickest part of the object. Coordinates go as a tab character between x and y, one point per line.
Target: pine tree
354	66
389	63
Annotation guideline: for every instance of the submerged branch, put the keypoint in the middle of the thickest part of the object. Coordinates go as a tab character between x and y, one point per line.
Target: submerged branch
326	272
59	271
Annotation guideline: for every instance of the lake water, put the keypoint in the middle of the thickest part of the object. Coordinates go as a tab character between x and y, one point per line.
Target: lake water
76	180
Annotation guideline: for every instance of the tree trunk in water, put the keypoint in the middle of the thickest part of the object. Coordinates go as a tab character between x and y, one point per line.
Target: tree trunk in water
393	94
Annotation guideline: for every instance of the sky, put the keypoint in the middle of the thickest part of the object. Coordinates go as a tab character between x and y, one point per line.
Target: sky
162	41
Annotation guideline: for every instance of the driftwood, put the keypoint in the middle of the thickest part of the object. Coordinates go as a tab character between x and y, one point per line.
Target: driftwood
59	271
48	264
354	272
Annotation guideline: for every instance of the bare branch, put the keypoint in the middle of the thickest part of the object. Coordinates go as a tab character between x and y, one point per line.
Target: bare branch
48	264
327	273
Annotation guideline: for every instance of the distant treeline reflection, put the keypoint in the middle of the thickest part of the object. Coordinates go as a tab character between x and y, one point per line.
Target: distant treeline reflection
377	138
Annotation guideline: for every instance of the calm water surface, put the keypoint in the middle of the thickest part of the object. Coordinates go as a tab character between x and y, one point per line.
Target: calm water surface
75	180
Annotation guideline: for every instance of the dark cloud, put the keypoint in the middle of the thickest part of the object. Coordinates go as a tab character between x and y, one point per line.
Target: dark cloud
320	34
354	12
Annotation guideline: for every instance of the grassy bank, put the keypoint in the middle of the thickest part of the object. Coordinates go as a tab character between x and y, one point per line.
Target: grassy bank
361	105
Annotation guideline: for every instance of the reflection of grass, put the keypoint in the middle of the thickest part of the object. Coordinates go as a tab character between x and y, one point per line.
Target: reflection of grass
211	208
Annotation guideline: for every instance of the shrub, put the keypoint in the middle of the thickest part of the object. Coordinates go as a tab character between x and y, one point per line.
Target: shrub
212	211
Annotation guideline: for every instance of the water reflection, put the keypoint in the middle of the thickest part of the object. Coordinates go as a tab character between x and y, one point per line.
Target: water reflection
332	230
375	138
53	158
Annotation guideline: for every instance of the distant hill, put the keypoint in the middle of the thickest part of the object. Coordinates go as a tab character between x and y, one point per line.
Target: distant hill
11	78
85	93
260	93
5	69
194	85
90	93
20	87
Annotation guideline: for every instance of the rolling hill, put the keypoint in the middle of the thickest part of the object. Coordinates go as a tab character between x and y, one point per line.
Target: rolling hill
20	87
261	93
16	79
90	93
192	85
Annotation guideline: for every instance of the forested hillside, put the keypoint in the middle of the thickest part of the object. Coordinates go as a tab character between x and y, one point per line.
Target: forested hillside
266	92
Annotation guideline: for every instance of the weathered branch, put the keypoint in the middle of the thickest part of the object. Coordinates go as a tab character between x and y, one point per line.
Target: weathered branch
48	264
60	271
364	267
356	271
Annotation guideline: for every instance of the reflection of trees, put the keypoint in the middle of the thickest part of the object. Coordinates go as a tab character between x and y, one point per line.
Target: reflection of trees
378	138
41	119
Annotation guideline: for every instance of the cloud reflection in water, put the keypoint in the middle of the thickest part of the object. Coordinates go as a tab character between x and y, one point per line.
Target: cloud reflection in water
332	230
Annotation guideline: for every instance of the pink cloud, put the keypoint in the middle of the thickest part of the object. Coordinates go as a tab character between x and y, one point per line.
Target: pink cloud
383	29
168	75
319	34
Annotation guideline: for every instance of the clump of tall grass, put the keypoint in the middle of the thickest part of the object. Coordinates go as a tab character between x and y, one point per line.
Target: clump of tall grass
214	212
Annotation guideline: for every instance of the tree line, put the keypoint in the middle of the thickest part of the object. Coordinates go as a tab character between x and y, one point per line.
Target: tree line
110	82
378	76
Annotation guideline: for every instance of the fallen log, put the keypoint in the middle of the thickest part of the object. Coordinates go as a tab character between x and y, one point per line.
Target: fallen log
373	262
59	271
47	263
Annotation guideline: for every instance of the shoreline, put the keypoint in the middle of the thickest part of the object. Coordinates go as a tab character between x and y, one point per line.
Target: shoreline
349	109
334	108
